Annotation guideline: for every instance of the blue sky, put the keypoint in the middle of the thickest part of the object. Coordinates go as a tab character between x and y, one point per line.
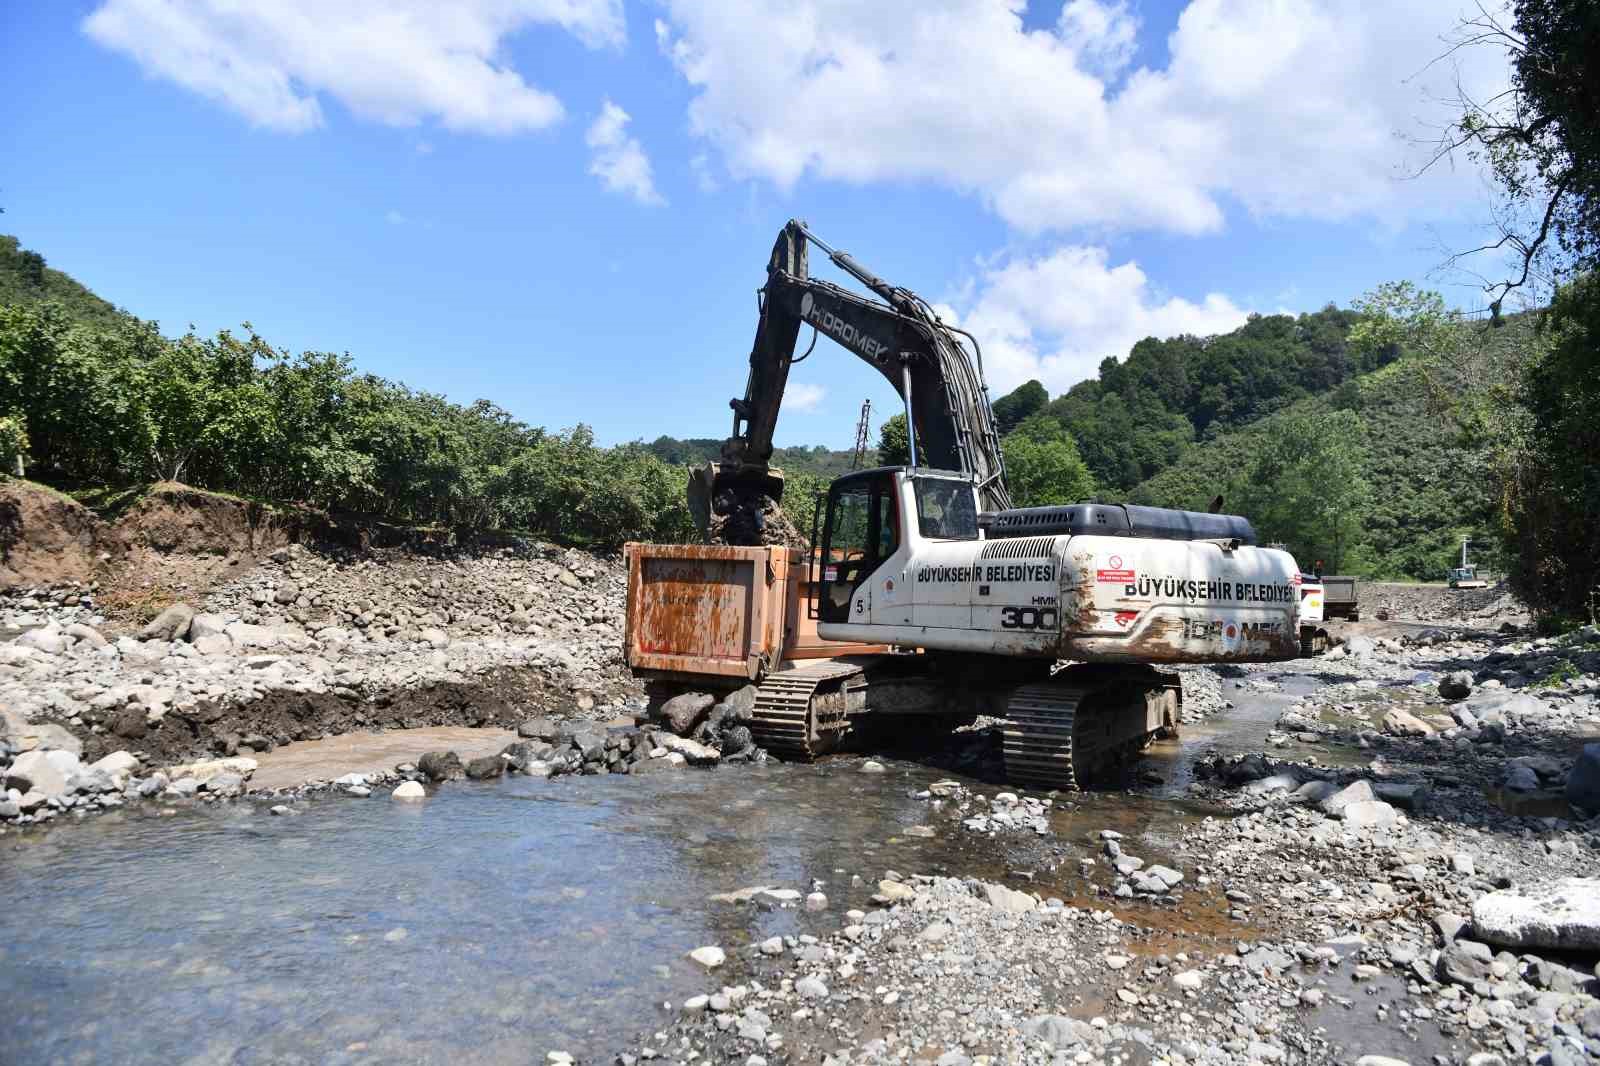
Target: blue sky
565	206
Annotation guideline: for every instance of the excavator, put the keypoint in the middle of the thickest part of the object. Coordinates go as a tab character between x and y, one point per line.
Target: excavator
1061	621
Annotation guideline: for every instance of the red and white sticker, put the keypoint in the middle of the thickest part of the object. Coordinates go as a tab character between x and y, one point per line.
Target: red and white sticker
1295	580
1114	573
1125	618
830	573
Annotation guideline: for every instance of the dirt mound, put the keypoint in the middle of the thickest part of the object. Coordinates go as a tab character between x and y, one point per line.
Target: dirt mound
176	518
47	538
751	519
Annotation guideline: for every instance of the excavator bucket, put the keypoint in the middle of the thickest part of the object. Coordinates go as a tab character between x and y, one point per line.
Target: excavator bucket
718	489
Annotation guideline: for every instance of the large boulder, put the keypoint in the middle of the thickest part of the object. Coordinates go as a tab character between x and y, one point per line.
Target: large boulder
697	754
1583	782
539	729
682	713
1456	685
441	766
171	624
45	772
1402	723
1369	813
1334	805
486	767
207	625
48	641
1560	915
741	703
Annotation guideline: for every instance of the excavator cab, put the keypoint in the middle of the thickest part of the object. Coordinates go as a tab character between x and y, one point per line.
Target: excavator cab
861	532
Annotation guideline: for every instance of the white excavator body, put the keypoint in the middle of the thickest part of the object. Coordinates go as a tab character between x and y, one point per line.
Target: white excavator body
908	564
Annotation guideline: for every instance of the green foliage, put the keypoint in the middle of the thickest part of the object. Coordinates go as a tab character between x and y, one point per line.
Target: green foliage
1143	414
236	415
1304	486
1552	476
894	445
13	443
1019	405
1043	465
817	459
25	279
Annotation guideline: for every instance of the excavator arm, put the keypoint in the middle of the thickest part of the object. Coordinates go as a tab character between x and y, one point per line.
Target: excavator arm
952	426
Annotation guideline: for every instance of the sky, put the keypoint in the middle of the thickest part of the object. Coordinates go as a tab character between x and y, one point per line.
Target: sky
566	206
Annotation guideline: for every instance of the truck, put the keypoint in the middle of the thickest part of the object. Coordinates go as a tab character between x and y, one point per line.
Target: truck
1340	597
1061	621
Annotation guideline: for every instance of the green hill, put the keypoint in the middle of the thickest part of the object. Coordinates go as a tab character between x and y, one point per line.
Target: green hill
1426	486
25	279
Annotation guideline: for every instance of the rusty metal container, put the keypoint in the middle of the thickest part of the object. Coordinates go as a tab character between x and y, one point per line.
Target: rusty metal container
705	611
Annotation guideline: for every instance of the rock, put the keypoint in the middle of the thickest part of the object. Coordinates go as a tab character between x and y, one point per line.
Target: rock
1007	899
816	901
439	766
42	640
697	754
1459	965
409	792
1461	863
1456	685
206	769
1275	783
225	783
1563	915
486	767
709	957
1359	792
1410	795
811	988
544	729
895	890
170	624
86	634
213	644
207	625
741	703
871	766
683	712
1522	778
1583	781
1058	1031
773	945
1380	1060
1369	813
434	638
1165	874
1314	792
1189	980
1402	723
45	772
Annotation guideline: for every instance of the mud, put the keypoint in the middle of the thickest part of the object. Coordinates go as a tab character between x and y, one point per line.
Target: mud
499	699
751	519
368	752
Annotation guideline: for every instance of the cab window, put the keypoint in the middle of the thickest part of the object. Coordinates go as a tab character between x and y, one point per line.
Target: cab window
946	509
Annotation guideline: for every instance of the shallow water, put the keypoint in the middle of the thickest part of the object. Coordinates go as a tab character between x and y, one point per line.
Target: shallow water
499	920
491	924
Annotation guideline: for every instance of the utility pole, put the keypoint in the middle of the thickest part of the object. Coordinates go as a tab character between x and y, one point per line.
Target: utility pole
862	426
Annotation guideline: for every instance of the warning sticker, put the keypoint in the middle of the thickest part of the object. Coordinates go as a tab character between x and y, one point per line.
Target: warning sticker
1117	577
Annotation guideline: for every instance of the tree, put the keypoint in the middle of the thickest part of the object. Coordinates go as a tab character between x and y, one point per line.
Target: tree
894	446
1017	406
1540	140
1552	491
1303	487
1043	465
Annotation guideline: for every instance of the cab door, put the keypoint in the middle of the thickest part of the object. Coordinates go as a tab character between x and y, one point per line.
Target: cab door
860	535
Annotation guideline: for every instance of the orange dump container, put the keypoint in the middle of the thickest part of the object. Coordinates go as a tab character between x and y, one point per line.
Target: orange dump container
698	611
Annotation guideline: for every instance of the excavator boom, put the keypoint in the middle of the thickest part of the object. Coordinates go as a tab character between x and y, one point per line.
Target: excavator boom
898	334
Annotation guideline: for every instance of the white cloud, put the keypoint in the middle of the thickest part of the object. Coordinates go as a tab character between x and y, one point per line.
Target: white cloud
1056	316
1103	34
395	218
803	397
1288	107
618	159
399	62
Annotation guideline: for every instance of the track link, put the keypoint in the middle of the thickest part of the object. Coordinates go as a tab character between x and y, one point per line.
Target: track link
802	713
1062	734
1041	721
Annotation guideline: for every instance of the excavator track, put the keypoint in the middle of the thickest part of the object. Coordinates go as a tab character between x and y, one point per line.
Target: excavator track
803	713
1063	734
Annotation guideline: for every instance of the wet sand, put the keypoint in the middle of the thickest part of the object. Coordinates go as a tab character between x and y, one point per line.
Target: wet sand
365	753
